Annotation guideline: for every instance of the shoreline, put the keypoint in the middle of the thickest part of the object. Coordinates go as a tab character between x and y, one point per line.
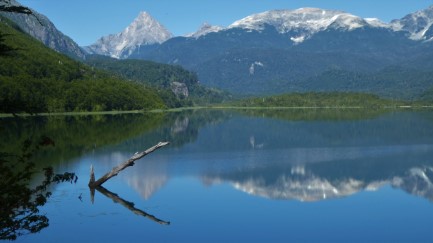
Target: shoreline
87	113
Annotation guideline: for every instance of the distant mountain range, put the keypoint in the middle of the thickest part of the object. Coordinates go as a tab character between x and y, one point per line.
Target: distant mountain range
295	51
279	51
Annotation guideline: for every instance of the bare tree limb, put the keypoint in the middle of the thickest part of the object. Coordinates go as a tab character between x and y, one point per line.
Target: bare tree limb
129	162
129	205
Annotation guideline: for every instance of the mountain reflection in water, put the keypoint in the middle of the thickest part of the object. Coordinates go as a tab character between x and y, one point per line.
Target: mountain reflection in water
296	160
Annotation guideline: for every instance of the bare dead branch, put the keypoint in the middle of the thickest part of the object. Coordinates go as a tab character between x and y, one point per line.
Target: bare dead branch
129	162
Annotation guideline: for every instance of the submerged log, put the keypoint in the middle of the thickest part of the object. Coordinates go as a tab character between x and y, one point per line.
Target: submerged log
129	205
117	169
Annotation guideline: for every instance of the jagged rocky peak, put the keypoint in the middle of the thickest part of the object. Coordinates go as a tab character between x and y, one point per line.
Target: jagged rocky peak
205	29
419	24
144	30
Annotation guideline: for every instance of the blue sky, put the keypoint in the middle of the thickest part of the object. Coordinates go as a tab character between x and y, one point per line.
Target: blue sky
87	20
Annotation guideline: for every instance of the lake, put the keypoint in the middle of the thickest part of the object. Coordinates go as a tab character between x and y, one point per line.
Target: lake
238	176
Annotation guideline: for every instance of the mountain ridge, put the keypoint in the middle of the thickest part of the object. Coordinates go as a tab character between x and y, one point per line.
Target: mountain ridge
419	24
284	50
294	47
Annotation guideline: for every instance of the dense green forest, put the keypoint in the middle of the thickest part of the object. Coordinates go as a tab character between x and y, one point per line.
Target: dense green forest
35	79
391	82
317	99
161	77
148	72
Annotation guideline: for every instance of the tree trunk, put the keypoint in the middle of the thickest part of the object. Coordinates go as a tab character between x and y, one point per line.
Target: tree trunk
117	169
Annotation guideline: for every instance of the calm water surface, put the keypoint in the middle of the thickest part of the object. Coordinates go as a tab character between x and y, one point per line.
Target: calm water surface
287	176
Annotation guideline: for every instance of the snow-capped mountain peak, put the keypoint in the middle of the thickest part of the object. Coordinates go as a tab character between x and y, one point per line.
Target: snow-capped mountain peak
304	21
205	29
375	22
418	24
144	30
285	20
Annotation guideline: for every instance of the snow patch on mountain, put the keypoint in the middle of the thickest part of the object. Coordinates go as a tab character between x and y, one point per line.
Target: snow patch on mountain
375	22
348	22
252	68
298	39
144	30
204	30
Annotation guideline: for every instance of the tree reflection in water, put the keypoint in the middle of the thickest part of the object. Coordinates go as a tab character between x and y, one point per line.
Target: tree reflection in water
20	202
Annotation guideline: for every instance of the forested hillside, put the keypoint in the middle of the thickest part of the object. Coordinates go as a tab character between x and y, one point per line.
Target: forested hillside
34	78
317	99
177	86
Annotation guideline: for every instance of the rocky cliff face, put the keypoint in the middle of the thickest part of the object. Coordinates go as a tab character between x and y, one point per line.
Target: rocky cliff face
179	89
42	29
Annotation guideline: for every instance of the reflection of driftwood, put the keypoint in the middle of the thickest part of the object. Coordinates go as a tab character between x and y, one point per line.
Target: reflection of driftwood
129	205
117	169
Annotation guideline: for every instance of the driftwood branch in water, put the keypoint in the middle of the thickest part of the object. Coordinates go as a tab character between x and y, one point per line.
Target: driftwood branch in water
129	205
117	169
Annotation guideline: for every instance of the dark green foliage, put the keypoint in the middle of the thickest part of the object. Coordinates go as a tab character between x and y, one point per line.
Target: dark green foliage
151	73
161	77
315	114
19	203
273	71
333	99
427	96
392	82
4	49
36	79
76	134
